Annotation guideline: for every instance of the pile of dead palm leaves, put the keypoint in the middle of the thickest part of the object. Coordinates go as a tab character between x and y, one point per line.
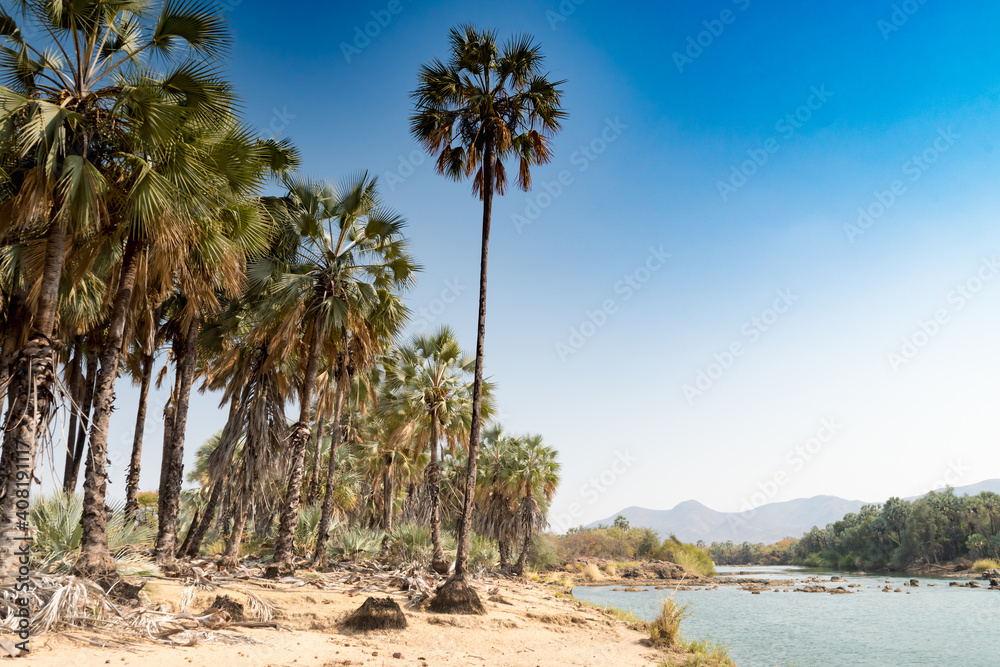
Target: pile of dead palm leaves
83	610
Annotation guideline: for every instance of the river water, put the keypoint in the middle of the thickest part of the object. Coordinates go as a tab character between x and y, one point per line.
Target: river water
926	626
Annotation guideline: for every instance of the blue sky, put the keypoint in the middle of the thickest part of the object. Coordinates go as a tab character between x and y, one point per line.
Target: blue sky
593	334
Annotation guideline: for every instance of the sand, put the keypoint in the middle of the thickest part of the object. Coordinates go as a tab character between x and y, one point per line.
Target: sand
536	629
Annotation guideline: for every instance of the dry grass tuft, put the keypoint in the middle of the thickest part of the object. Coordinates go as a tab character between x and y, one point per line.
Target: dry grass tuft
665	629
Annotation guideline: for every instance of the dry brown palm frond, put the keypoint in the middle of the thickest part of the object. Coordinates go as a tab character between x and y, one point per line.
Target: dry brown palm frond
259	607
55	601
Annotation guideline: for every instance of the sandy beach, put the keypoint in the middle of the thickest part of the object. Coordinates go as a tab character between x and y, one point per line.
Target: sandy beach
535	628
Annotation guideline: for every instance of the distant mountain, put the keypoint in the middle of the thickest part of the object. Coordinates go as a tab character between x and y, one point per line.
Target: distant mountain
691	521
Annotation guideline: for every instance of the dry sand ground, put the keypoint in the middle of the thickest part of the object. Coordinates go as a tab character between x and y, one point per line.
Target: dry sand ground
536	629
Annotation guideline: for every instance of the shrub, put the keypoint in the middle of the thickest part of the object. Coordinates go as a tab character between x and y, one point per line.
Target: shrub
57	542
814	560
591	572
360	542
307	529
984	564
688	556
665	629
542	555
610	569
410	542
847	562
483	553
648	542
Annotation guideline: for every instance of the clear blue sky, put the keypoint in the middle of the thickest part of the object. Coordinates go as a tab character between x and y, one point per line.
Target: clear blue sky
829	107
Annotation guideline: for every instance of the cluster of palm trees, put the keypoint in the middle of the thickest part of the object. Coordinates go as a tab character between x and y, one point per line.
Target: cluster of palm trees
133	226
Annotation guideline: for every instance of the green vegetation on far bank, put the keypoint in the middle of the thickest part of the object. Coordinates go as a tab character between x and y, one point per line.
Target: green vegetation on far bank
933	530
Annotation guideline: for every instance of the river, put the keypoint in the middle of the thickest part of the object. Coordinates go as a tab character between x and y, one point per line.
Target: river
926	625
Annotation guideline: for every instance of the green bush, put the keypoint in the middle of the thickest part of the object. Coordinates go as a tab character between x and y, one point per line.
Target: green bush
847	562
307	529
542	554
688	556
410	542
360	543
57	541
483	553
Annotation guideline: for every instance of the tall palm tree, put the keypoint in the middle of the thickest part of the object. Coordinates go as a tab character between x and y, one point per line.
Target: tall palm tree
79	116
349	256
486	104
428	399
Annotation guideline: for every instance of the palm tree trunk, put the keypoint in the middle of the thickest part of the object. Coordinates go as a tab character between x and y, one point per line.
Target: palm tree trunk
95	558
15	313
438	562
323	532
231	557
173	456
465	525
75	383
284	545
504	546
31	396
522	558
196	533
75	458
132	483
313	482
199	529
388	494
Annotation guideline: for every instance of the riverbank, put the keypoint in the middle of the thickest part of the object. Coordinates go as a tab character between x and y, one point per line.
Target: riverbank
789	616
527	623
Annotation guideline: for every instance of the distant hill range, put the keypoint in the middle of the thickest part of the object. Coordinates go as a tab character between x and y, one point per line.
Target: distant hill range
691	521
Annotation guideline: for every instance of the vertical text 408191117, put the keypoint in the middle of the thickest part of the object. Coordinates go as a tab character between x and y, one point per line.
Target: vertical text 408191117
22	587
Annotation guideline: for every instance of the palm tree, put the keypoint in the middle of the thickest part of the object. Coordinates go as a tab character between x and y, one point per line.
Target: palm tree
495	499
346	264
78	73
533	479
428	398
485	104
